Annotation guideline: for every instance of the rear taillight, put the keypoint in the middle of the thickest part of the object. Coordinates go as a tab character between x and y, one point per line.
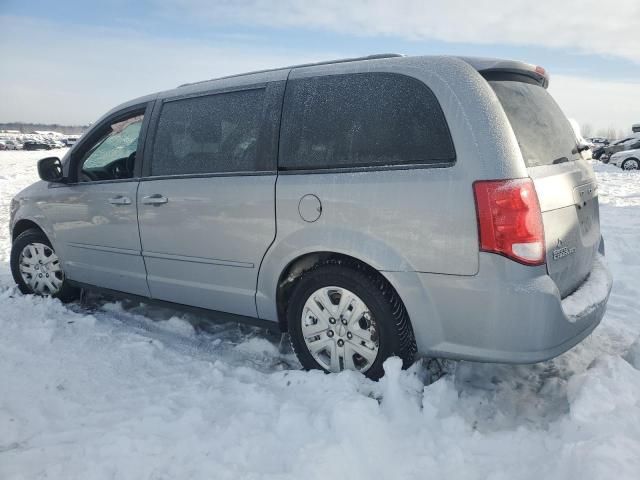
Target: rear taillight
509	219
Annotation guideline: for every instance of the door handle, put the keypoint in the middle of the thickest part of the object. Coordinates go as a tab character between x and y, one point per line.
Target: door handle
155	199
120	200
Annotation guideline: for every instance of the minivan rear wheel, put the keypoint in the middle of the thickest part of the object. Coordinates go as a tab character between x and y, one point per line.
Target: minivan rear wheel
348	318
36	268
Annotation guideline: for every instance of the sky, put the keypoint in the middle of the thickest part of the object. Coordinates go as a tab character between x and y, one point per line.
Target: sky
69	61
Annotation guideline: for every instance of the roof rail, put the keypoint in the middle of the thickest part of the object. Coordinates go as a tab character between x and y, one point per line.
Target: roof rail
375	56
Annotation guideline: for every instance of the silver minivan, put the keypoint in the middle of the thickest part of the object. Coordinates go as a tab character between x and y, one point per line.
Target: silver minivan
371	207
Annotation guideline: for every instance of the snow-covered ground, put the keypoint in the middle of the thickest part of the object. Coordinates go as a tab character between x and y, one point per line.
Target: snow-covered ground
123	391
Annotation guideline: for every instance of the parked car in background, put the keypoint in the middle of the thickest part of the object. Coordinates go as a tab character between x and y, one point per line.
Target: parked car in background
71	140
3	146
371	207
627	160
598	141
603	154
37	145
12	144
53	143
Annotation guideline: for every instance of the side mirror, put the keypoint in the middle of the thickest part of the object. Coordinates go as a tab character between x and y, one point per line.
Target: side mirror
50	170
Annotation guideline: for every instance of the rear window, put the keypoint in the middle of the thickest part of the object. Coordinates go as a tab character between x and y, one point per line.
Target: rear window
364	119
543	132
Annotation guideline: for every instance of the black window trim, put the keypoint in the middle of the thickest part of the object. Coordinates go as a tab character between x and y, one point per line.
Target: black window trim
364	168
367	168
274	93
214	91
260	173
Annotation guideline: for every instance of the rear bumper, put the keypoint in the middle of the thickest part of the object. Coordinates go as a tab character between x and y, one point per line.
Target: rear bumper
507	313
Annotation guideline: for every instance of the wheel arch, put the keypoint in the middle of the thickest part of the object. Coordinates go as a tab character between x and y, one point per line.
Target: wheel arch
301	248
302	263
25	224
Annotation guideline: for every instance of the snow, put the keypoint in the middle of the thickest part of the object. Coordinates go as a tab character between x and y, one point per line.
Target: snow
591	293
114	389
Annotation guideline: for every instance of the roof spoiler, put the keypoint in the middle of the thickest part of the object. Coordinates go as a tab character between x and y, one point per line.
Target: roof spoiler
496	68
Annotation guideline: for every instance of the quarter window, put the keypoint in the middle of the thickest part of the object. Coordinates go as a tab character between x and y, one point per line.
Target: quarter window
367	119
209	134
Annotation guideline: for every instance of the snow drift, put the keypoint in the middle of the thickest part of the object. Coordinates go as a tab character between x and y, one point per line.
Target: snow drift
128	391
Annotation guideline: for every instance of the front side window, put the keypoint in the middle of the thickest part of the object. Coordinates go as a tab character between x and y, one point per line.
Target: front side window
365	119
209	134
113	156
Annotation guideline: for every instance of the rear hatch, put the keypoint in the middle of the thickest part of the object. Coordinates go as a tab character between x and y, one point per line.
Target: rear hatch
564	181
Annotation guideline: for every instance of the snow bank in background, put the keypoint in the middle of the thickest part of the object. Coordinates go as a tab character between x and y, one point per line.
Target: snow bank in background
591	293
128	391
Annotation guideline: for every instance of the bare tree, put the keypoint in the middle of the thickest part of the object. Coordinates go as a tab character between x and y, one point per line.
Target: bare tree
586	130
623	132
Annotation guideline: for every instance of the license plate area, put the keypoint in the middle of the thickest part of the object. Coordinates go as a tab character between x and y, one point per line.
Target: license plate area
586	202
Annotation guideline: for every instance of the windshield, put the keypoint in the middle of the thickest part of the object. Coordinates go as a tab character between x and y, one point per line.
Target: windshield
543	132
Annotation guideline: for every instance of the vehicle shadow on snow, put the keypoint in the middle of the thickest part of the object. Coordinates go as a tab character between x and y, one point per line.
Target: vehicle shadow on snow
489	396
200	336
498	396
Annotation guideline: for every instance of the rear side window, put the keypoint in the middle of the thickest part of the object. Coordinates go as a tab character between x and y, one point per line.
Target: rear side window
366	119
543	132
209	134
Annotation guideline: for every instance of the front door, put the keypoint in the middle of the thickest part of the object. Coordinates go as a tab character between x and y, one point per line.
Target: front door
207	204
94	216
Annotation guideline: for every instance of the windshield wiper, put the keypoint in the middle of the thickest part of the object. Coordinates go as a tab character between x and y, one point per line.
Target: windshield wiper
560	160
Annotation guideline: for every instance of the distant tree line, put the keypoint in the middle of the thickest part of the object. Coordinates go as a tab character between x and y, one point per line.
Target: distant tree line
611	133
30	127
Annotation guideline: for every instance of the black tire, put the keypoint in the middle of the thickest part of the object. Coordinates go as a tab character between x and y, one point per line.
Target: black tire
395	335
66	293
627	161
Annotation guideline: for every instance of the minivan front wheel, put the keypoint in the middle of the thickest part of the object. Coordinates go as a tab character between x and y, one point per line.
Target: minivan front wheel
36	268
348	318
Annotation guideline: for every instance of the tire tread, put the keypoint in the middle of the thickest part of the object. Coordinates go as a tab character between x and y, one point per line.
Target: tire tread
368	277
